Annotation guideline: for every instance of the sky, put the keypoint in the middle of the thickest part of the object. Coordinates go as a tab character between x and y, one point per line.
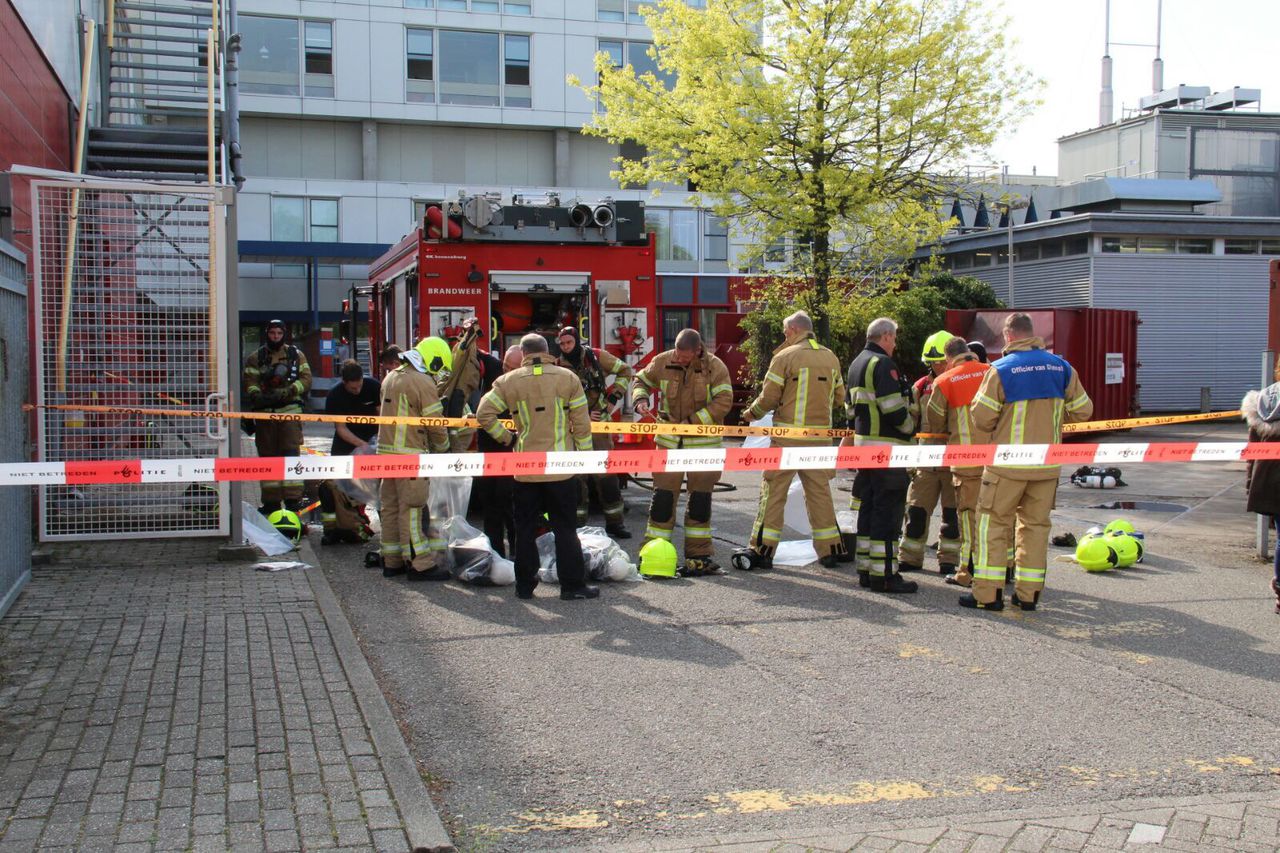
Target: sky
1219	44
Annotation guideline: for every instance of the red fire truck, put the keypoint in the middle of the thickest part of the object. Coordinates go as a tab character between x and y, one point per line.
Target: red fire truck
534	265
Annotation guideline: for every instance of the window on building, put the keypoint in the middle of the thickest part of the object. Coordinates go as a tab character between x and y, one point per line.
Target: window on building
323	223
609	10
1270	247
1156	245
673	321
1240	247
1076	246
776	252
659	223
1122	245
677	290
1051	249
714	291
300	220
270	61
715	238
318	58
418	4
983	258
469	68
288	219
635	54
962	260
420	86
1028	252
1195	246
519	7
684	235
707	326
516	72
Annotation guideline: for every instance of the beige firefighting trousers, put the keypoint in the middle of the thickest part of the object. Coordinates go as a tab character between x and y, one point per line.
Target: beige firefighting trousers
929	486
402	507
1006	504
697	511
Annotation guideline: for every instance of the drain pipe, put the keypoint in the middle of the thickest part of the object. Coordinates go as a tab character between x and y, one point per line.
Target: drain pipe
1264	523
231	80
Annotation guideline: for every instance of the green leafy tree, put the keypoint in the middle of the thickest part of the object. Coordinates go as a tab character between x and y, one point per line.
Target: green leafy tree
827	123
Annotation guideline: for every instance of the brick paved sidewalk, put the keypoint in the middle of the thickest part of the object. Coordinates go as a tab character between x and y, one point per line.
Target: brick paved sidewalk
152	698
1215	822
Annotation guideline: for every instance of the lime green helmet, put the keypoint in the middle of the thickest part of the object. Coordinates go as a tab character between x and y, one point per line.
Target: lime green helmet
436	355
658	559
1121	525
1128	548
288	523
1095	555
935	347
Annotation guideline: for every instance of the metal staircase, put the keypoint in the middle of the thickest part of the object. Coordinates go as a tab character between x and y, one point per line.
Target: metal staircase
163	117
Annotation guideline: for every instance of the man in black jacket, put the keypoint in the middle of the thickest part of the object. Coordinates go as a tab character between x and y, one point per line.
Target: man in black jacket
880	414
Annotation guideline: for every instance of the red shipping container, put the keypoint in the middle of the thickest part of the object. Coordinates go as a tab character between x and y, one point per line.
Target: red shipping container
1100	343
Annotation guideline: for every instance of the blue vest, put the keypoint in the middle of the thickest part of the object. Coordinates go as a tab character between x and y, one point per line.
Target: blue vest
1035	374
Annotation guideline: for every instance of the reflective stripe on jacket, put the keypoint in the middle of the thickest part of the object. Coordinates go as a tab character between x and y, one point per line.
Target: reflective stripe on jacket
548	405
802	387
409	393
1025	398
878	403
699	392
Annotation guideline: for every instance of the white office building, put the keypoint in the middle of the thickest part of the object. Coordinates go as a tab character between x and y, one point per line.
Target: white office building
355	114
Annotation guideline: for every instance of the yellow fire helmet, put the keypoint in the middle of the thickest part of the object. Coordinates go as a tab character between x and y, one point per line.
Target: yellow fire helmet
934	347
1095	555
658	559
436	355
1128	549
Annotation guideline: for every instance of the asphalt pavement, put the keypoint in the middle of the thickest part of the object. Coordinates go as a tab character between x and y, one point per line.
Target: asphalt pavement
766	708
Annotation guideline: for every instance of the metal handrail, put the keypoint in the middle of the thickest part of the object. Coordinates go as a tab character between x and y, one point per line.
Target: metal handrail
111	24
73	224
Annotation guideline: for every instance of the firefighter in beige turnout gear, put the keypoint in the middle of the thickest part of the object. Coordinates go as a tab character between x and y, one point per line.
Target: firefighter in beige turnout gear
802	387
693	388
1025	398
929	486
410	391
948	412
549	408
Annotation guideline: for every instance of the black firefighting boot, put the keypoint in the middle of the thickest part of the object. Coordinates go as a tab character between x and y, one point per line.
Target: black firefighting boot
617	530
1027	605
892	583
968	600
749	559
372	560
864	579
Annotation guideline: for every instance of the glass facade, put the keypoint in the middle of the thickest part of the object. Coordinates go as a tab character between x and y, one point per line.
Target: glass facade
270	61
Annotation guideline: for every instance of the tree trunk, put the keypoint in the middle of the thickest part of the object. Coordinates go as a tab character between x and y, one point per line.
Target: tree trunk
822	282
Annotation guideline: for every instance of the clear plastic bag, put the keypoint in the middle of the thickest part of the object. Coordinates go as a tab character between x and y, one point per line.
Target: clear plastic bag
603	558
759	440
795	514
449	497
470	557
795	552
260	532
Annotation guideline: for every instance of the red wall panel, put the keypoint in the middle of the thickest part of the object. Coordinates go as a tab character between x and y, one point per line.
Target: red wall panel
35	128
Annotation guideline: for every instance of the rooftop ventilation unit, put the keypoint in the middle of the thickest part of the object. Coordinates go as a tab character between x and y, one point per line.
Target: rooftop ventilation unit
1178	96
1231	98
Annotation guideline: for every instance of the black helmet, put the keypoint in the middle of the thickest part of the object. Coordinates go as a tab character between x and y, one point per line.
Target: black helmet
978	349
275	324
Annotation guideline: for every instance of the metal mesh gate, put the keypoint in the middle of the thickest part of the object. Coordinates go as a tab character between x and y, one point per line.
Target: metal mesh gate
126	318
15	503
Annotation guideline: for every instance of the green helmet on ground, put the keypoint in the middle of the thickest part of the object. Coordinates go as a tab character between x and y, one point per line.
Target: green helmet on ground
658	559
1095	555
288	523
436	355
935	347
1128	549
1121	525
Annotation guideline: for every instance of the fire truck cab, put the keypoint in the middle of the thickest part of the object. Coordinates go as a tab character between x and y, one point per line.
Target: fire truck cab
534	265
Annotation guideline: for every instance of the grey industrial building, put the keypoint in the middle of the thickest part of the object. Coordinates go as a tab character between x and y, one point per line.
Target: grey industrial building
1174	213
